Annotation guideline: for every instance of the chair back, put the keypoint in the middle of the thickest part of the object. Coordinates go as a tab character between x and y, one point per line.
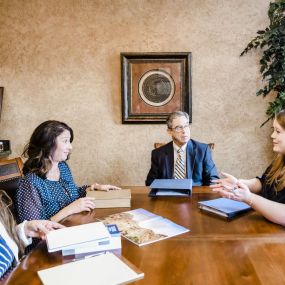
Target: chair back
159	144
10	175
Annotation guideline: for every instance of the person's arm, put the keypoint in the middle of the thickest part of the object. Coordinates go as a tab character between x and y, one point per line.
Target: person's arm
230	181
35	229
210	172
28	203
8	252
153	172
96	187
273	211
253	184
102	187
79	205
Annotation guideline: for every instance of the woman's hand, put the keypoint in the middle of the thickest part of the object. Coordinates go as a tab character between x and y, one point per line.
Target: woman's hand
39	228
239	193
229	181
80	205
107	187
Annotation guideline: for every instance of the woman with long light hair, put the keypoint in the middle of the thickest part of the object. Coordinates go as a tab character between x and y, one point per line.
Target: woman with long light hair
14	238
267	193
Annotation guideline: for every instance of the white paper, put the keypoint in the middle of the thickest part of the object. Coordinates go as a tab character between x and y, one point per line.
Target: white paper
115	243
76	235
105	269
171	193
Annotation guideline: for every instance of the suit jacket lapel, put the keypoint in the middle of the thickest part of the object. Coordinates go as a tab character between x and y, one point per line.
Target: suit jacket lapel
169	158
190	158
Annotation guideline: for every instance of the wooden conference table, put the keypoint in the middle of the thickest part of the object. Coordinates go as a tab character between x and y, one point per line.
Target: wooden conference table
246	250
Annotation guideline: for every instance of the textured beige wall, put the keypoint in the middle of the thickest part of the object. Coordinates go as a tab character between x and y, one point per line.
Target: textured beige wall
61	60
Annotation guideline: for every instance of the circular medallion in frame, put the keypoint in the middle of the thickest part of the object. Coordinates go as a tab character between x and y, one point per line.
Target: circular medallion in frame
156	87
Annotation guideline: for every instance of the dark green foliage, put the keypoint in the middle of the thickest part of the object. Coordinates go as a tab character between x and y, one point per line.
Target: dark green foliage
272	63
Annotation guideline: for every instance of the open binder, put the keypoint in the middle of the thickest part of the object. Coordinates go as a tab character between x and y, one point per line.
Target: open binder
171	187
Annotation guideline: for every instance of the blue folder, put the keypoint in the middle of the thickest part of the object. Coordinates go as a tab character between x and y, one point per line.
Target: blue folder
224	207
171	187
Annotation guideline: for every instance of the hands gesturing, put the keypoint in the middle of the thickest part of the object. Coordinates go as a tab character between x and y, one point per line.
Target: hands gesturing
228	181
230	187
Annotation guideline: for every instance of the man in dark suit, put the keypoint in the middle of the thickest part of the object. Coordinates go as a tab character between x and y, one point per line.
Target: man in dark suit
182	157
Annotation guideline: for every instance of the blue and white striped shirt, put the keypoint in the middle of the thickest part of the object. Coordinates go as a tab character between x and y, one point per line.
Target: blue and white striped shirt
6	257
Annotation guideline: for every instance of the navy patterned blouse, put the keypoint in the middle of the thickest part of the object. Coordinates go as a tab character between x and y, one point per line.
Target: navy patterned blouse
40	199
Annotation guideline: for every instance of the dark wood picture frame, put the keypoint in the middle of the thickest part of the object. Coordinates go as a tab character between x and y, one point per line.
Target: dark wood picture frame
1	99
154	85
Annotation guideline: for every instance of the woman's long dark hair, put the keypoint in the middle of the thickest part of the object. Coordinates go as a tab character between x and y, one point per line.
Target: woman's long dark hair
41	146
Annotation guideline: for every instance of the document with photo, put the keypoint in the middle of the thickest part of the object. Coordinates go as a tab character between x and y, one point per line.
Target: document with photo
143	227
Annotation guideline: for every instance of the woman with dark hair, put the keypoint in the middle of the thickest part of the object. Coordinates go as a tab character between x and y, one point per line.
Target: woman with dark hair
48	190
265	194
14	238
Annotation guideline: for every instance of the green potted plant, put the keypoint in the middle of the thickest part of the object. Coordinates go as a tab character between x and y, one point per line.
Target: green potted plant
272	63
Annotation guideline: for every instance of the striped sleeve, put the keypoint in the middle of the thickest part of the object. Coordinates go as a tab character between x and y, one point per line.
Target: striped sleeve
6	257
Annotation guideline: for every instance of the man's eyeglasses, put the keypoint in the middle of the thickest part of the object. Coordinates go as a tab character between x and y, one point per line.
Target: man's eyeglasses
178	129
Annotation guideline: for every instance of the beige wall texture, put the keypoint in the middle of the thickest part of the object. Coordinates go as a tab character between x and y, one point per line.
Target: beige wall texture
61	60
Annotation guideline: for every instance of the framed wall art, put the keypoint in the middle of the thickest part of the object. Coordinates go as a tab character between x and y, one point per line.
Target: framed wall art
154	85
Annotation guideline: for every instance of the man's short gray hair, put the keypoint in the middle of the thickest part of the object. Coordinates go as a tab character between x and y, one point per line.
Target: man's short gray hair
175	115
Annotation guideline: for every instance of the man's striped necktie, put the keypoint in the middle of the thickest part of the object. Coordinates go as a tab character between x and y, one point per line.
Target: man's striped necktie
179	169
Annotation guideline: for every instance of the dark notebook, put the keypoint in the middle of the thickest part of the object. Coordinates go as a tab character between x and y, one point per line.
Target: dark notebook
224	207
171	187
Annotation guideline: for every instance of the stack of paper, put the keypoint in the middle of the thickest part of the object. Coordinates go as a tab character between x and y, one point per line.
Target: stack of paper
77	236
224	207
105	269
171	187
111	199
113	243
